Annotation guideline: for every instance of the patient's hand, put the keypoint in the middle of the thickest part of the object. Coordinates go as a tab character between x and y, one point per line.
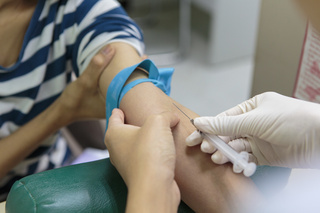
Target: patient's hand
82	99
145	157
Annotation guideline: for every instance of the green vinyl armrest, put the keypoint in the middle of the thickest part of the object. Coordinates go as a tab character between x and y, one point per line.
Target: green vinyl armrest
96	187
88	187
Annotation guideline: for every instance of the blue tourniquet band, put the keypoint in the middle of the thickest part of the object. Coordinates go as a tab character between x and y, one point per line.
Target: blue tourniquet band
161	78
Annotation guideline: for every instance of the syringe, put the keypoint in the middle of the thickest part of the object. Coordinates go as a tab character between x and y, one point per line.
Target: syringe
240	160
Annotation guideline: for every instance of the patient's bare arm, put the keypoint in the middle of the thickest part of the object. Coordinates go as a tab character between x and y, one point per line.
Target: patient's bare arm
204	186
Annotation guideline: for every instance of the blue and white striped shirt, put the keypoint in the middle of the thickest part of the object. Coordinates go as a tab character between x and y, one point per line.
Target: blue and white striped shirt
62	37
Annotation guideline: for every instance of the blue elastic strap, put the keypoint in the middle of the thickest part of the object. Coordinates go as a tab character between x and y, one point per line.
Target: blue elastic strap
161	78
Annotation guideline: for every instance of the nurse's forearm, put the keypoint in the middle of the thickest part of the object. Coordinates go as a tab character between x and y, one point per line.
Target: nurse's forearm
204	186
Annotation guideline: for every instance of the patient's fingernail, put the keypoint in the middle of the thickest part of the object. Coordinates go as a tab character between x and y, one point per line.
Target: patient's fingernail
106	50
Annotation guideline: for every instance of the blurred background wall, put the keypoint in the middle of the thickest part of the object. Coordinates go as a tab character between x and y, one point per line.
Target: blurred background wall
280	40
229	27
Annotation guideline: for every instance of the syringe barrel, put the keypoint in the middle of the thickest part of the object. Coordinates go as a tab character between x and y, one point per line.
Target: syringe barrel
223	147
239	160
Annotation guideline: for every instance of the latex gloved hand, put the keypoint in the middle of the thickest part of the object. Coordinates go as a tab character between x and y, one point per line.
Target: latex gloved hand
277	130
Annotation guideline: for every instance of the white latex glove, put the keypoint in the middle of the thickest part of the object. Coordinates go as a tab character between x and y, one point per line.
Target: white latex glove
277	130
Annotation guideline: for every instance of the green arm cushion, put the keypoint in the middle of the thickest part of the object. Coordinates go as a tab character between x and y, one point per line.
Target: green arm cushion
98	187
88	187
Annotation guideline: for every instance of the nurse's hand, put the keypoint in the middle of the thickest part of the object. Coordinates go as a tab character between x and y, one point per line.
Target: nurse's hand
145	158
82	99
277	130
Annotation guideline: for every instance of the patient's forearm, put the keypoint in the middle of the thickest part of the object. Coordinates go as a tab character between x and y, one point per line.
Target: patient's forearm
205	187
